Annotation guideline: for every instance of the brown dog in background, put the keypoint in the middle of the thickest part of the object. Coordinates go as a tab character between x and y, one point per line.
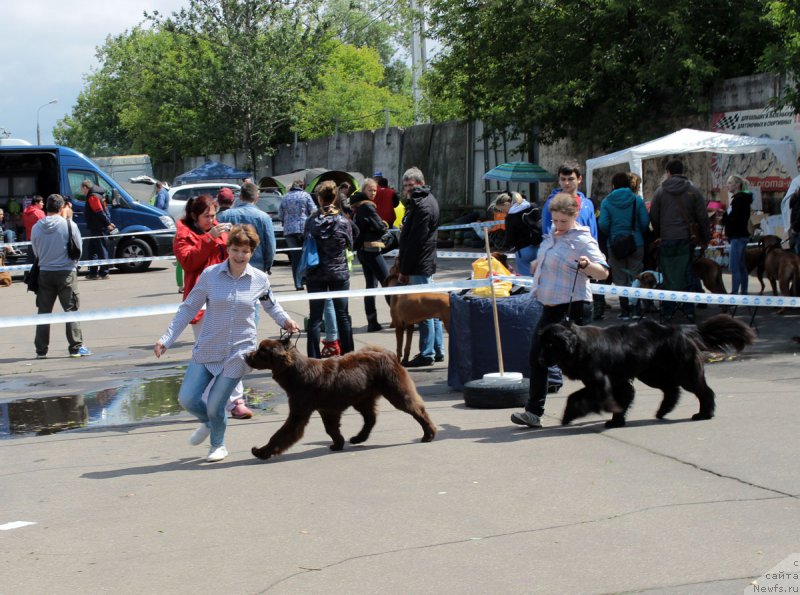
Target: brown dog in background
710	273
781	267
412	308
330	386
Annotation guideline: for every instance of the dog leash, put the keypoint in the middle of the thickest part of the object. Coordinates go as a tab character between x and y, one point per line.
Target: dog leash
574	283
287	335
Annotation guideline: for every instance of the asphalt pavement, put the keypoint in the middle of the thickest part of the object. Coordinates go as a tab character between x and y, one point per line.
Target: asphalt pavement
488	507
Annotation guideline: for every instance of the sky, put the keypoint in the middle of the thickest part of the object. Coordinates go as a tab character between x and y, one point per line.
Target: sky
50	46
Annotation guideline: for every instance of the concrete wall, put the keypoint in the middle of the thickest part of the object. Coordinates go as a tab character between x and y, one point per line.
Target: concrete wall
453	155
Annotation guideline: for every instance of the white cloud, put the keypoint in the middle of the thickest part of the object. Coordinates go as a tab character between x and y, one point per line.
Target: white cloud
50	46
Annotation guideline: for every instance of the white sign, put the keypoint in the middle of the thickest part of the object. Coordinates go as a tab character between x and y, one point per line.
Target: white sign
762	170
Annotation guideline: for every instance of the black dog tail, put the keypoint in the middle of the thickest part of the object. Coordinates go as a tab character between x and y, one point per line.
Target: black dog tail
722	332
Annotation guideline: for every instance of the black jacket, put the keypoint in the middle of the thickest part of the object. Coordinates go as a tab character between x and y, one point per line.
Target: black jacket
370	225
418	236
523	228
333	233
736	221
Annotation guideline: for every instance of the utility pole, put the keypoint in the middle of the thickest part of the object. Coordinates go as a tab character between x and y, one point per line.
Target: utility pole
418	58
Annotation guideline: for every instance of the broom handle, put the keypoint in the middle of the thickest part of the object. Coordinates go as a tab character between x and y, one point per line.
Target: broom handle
494	305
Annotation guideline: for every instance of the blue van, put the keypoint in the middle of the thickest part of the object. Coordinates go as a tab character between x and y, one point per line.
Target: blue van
45	170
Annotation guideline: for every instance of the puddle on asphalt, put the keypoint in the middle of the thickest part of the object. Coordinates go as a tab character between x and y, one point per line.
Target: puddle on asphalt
135	401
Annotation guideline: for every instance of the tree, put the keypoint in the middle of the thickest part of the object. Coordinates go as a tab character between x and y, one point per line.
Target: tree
264	55
604	72
348	94
783	55
140	100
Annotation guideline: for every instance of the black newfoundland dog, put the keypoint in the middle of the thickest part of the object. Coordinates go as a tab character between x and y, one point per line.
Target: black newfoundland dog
607	360
330	386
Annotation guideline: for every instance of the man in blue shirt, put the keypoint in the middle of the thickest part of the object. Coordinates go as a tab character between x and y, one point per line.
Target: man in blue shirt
569	179
248	212
162	197
295	208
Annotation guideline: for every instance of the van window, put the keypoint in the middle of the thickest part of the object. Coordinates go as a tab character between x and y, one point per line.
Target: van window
76	178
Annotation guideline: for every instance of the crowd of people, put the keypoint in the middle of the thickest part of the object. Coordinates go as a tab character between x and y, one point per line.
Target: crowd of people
226	252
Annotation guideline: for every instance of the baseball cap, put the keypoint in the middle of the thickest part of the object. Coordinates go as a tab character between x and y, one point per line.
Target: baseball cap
377	174
225	196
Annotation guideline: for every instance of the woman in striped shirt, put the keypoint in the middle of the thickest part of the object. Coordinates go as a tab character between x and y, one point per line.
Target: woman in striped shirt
231	292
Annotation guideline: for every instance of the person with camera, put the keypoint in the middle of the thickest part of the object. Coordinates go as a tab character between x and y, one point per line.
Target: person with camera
58	276
98	222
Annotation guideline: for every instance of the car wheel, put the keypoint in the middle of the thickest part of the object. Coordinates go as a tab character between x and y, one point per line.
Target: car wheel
483	394
134	248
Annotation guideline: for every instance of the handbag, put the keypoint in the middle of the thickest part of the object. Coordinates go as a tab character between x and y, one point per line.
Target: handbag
624	245
309	258
389	241
31	277
73	247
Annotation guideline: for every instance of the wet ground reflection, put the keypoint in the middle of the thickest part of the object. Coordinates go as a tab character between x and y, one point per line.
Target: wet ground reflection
134	401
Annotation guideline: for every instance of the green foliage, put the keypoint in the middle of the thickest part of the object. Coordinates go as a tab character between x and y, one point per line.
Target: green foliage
604	72
223	75
348	91
783	55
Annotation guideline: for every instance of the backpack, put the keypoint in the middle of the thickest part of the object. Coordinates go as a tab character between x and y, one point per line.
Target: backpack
532	218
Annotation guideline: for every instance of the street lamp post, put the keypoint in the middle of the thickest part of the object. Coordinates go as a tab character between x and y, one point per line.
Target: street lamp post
38	132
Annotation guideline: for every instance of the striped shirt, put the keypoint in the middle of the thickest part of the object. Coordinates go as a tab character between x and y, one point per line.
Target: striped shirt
229	326
557	265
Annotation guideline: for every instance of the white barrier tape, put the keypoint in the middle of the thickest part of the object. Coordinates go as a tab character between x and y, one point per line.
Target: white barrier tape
475	225
148	232
684	297
160	310
91	263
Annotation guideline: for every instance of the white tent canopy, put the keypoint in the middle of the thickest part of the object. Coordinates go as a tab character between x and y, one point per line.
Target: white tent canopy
689	140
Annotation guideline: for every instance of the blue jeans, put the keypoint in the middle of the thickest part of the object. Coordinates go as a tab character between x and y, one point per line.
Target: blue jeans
315	314
525	257
98	250
190	396
329	316
295	240
431	335
738	266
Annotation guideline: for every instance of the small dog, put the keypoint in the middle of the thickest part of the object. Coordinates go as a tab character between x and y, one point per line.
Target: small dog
647	280
665	357
330	386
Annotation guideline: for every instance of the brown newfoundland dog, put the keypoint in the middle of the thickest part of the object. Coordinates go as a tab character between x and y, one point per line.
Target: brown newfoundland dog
665	357
330	386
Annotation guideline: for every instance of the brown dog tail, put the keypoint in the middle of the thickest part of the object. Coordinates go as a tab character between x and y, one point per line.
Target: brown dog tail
723	332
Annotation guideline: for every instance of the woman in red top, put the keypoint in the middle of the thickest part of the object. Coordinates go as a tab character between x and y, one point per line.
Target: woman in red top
200	242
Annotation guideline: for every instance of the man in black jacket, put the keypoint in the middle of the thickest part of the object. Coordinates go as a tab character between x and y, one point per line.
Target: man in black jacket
417	259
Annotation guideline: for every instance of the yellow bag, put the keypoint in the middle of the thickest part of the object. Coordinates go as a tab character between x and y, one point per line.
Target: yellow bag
480	270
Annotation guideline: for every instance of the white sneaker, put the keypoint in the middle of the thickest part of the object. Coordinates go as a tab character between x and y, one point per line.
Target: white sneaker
217	454
199	435
526	418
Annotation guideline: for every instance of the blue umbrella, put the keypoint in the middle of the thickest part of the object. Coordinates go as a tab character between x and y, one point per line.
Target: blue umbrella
519	172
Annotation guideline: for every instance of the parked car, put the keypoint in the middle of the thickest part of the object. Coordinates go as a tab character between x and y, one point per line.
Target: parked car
178	195
269	201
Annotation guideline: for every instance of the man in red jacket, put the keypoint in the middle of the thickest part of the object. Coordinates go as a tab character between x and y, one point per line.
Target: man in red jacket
385	200
32	214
